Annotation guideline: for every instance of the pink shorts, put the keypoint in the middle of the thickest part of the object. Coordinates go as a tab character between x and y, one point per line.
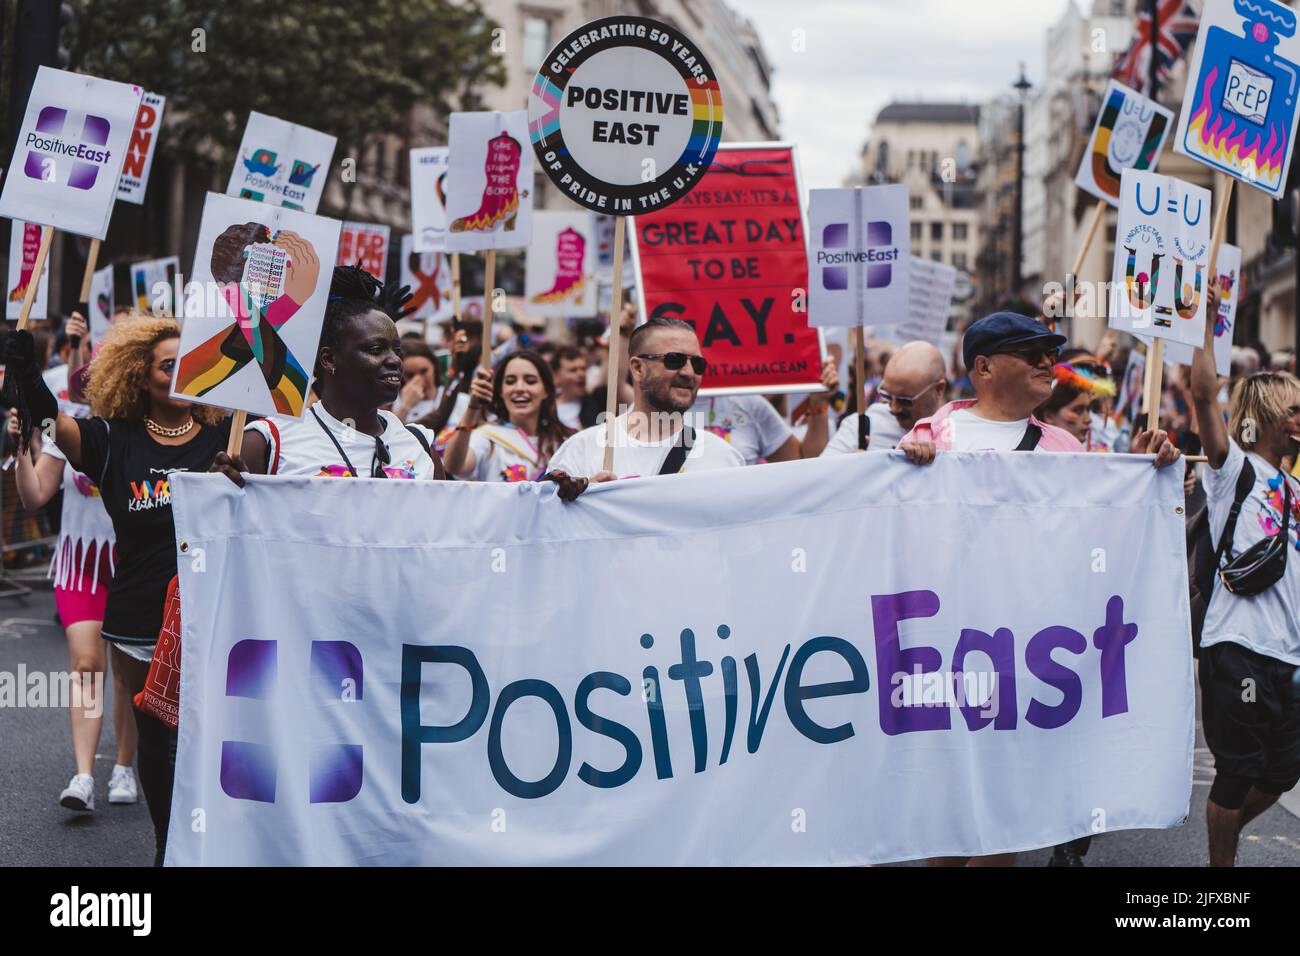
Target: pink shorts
77	604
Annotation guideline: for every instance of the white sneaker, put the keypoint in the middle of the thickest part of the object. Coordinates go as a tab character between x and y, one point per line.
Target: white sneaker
121	786
80	793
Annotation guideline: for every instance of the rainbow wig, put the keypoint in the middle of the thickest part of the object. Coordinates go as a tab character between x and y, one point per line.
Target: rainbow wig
1084	379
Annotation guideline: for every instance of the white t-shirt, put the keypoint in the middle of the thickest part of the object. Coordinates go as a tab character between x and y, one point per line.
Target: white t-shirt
1269	622
885	432
301	446
972	433
504	453
748	423
584	453
569	413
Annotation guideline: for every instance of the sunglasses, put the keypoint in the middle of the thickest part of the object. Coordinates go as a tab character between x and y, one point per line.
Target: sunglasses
382	457
676	361
903	401
1035	357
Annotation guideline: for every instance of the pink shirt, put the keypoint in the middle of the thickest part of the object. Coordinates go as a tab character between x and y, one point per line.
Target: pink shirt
938	429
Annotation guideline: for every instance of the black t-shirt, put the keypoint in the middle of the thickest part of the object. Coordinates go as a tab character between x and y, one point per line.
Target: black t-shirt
133	473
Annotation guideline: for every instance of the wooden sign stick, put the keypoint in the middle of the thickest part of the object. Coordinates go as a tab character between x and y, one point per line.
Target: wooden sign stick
1098	214
92	260
859	373
236	443
29	297
615	343
489	280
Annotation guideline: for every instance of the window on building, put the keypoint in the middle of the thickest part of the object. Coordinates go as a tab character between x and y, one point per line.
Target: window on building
916	232
882	157
959	260
537	41
937	256
915	202
959	231
936	231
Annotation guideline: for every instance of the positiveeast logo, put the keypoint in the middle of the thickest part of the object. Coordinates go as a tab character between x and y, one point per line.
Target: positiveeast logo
75	908
879	256
54	156
250	769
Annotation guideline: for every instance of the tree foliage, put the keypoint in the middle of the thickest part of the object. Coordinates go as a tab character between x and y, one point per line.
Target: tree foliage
353	68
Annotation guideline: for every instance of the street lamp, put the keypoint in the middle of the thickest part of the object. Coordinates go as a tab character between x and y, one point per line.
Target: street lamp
1022	87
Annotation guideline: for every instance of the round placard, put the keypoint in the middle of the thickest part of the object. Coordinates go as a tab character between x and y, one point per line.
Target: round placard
625	115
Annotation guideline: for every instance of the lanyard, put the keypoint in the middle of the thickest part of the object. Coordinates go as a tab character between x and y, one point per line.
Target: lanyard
346	460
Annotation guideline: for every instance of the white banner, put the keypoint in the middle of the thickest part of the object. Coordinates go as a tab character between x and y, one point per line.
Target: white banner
449	673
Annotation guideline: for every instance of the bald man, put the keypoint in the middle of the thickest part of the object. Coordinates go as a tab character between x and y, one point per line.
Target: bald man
914	386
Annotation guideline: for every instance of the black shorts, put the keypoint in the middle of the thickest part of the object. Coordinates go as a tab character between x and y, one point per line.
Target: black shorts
1250	710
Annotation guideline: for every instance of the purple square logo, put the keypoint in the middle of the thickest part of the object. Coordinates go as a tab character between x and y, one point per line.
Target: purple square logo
248	768
54	156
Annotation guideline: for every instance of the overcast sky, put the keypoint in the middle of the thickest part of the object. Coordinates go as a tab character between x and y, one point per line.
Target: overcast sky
863	54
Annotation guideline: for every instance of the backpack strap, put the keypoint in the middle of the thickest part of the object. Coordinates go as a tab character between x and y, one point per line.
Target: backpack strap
676	456
438	472
1245	482
864	431
1033	434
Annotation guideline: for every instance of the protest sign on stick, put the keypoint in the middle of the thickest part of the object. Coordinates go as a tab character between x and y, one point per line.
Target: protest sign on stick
428	276
364	244
25	240
429	198
71	144
732	260
252	347
281	163
100	303
1129	134
138	163
859	263
1239	110
559	274
625	115
153	284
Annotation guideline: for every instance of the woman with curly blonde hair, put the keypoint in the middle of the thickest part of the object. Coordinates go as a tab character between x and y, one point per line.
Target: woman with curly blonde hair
138	436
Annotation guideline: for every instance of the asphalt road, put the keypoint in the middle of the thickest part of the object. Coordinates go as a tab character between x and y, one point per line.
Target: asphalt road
36	762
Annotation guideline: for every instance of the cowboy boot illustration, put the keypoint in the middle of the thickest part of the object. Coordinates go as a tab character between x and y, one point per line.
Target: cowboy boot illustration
570	249
1186	309
500	197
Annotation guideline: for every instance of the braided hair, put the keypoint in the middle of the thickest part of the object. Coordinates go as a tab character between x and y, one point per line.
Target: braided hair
354	292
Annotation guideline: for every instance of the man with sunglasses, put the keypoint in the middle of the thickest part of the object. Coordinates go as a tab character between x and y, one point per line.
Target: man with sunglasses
914	387
666	367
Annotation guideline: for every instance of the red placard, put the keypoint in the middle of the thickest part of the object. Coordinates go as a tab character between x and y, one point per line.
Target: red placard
730	258
366	245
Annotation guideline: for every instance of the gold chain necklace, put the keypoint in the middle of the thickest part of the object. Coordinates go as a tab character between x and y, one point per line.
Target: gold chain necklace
176	432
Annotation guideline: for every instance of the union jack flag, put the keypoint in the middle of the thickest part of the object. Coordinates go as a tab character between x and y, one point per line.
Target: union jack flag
1178	27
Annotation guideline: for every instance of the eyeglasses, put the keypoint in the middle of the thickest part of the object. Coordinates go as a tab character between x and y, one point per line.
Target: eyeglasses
382	457
676	361
904	401
1034	357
